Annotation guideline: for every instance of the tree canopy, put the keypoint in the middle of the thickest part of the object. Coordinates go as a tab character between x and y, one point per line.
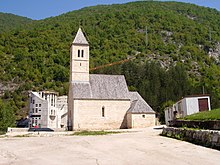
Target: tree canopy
172	60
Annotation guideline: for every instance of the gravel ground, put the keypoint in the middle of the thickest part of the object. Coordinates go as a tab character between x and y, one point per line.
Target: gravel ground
140	147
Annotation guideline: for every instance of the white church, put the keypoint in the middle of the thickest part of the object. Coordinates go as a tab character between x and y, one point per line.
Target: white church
97	101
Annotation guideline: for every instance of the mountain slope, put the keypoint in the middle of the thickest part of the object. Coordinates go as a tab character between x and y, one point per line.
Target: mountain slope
10	21
179	34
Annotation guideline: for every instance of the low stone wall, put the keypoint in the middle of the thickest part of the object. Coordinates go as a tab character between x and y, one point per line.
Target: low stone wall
208	138
17	129
212	124
10	129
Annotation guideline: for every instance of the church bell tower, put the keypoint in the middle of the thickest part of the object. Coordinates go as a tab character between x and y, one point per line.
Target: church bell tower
79	58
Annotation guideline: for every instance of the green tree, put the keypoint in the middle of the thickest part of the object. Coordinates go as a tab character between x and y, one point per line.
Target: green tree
7	117
162	108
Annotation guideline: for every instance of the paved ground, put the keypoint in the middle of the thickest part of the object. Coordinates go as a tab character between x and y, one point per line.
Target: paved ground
133	148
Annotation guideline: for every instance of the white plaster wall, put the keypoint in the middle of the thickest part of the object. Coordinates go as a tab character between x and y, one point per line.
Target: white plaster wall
88	114
209	103
192	105
184	107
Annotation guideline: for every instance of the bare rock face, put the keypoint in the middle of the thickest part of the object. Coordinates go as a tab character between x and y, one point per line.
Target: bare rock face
215	53
7	87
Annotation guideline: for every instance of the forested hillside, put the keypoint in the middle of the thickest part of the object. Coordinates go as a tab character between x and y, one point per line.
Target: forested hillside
10	21
179	56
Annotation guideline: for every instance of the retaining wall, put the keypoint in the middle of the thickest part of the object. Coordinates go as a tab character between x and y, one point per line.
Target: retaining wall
212	124
208	138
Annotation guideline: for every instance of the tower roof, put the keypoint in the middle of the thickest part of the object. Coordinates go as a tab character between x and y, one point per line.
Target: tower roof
80	38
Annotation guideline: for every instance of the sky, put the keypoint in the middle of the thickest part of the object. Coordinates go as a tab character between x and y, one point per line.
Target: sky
40	9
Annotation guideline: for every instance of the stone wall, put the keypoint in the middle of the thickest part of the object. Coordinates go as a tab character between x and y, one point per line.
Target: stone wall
88	114
140	120
208	138
10	129
212	124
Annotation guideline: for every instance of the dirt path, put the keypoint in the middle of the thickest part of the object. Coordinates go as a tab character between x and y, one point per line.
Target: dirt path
136	148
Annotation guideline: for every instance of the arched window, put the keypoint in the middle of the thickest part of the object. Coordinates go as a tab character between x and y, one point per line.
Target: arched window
103	111
78	53
82	53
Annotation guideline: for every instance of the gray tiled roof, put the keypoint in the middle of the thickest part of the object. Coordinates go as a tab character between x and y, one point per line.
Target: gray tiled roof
101	87
112	87
80	38
138	104
81	90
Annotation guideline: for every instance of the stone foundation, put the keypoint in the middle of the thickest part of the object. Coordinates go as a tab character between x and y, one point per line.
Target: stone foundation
208	138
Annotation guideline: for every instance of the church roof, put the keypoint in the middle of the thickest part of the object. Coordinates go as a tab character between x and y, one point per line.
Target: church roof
80	38
138	104
101	87
110	87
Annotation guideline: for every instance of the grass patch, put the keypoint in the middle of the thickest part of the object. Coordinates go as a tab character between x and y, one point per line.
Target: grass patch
208	115
94	133
2	133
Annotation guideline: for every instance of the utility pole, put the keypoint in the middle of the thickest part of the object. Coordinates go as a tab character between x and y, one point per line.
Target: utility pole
146	37
146	34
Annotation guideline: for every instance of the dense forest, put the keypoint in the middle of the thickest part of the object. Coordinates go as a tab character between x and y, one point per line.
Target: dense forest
175	45
10	22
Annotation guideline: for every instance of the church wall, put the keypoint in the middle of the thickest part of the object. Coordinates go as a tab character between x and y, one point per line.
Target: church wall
129	120
88	114
140	120
70	109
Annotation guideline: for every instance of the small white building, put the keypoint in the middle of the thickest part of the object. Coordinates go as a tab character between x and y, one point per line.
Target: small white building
187	106
47	110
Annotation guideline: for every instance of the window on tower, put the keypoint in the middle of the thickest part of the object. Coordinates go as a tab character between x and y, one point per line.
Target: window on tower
82	53
78	53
